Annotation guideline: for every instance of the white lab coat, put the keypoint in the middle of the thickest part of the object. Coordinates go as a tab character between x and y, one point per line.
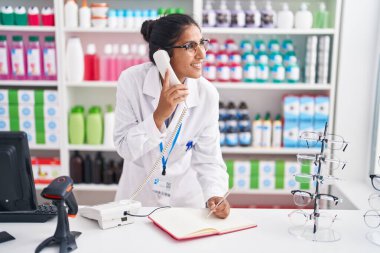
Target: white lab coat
196	174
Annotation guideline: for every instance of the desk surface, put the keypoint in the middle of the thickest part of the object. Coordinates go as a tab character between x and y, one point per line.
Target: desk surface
271	235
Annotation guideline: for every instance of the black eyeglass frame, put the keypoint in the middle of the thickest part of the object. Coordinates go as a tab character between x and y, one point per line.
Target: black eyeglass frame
187	45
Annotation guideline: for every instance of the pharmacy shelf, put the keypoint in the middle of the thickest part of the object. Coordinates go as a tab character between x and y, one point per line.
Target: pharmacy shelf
225	150
271	86
101	30
113	187
16	28
263	31
91	148
223	86
267	151
30	83
86	187
43	147
93	84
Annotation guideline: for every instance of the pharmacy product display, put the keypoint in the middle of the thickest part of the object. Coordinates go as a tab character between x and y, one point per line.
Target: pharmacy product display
46	169
267	175
252	62
317	225
95	170
101	15
28	58
27	16
239	14
372	216
93	66
303	113
92	126
35	112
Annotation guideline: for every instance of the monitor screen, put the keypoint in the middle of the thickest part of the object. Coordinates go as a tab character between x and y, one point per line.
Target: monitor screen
17	191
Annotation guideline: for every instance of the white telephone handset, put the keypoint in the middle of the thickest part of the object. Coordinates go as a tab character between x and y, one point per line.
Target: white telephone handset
162	61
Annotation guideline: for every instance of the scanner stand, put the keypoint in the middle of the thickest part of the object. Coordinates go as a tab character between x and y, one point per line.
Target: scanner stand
62	236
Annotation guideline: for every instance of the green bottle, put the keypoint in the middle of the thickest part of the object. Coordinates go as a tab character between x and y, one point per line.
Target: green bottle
321	17
76	125
94	126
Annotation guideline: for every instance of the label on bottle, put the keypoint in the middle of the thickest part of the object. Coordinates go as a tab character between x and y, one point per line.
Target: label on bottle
49	62
245	138
293	73
278	73
3	62
236	73
249	72
223	73
238	19
17	58
34	62
209	19
209	72
232	139
262	72
222	19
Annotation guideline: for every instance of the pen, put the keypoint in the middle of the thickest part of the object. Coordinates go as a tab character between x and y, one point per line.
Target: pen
218	204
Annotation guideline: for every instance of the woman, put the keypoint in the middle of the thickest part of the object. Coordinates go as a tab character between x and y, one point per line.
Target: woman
193	173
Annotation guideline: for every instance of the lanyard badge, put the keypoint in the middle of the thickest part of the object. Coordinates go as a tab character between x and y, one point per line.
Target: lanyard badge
163	160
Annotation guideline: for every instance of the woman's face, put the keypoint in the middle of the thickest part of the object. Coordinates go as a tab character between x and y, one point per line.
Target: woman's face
185	63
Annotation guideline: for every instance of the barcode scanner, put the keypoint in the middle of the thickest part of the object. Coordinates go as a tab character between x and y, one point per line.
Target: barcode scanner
60	190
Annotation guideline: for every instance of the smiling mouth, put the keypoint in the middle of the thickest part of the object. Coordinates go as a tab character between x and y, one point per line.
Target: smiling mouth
197	65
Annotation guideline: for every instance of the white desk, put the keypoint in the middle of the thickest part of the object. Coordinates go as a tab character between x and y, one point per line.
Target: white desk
271	235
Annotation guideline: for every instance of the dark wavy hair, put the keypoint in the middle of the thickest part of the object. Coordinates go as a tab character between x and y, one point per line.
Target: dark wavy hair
165	32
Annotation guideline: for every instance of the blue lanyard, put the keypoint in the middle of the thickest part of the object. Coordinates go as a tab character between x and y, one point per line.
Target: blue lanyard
164	161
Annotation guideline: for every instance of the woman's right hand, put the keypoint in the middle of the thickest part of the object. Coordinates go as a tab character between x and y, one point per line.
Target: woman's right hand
171	96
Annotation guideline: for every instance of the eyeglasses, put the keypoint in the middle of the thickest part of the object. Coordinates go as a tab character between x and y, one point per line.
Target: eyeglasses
331	141
326	160
300	218
374	201
375	179
303	198
192	46
306	178
372	218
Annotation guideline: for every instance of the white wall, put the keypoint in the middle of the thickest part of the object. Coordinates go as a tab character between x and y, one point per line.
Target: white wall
356	80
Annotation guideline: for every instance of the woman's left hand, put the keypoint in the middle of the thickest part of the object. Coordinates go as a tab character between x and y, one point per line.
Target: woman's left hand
222	211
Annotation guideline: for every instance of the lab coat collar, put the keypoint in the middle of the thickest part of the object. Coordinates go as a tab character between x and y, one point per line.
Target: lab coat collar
151	88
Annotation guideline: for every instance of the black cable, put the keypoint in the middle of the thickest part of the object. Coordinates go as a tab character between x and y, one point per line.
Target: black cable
145	215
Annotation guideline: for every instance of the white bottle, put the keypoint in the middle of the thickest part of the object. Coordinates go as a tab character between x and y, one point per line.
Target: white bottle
252	16
266	141
268	16
257	127
74	61
109	125
304	18
277	132
71	14
237	16
223	15
285	18
209	15
84	15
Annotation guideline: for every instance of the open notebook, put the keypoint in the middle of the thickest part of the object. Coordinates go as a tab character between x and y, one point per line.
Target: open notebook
189	223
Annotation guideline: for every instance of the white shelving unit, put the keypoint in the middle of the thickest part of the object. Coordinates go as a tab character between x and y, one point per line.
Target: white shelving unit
103	92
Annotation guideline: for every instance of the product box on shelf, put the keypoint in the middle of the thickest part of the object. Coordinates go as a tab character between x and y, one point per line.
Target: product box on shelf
306	108
4	124
322	105
290	134
46	169
291	107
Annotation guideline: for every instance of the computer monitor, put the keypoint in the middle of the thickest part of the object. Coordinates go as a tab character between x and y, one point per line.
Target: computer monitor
17	191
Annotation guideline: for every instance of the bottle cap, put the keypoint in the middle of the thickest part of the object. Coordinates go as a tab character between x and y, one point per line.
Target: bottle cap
3	37
257	117
267	116
91	49
109	108
124	49
77	109
17	38
49	39
95	110
108	49
33	38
